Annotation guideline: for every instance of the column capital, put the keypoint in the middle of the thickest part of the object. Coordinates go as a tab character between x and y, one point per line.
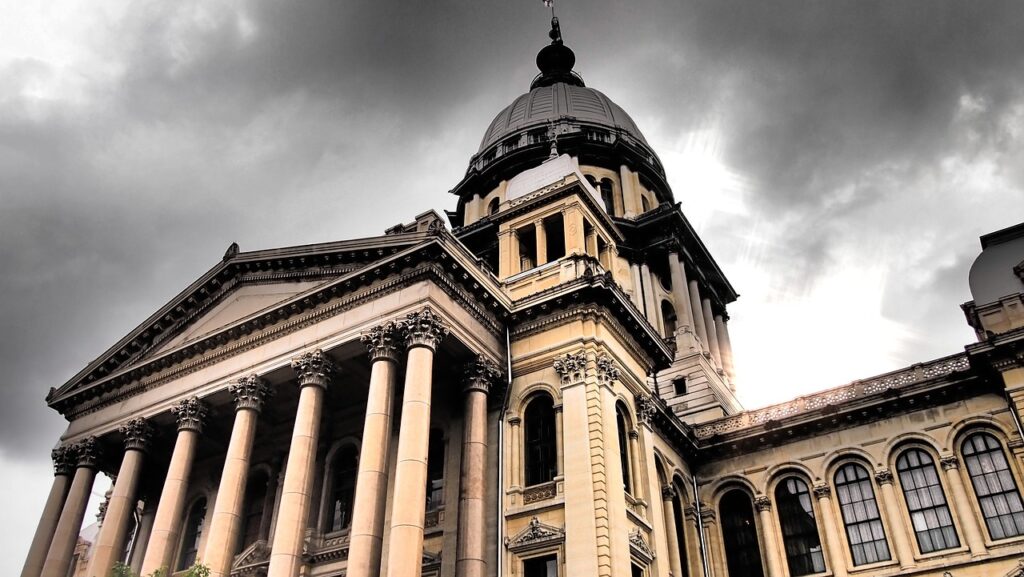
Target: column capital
607	373
190	413
479	374
382	341
570	367
822	491
515	421
424	328
949	462
762	503
668	492
63	460
313	368
646	407
250	392
137	434
883	477
87	452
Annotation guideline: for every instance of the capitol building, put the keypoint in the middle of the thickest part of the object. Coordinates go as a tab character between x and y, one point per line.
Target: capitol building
539	383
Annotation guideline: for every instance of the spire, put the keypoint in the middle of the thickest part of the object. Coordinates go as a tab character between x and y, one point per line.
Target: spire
555	61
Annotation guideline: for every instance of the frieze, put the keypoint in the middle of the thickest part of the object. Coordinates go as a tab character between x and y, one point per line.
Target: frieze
639	546
250	392
137	434
571	367
480	374
191	414
535	534
382	341
424	328
313	368
538	493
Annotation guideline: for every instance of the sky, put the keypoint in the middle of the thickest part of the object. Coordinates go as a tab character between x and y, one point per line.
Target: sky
839	159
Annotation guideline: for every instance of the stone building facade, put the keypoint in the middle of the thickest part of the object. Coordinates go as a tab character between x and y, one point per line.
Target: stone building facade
543	388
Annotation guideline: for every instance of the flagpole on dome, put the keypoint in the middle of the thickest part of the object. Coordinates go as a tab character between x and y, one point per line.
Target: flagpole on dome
550	4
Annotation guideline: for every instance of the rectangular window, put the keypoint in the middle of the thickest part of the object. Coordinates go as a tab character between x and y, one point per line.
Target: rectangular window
554	232
679	384
527	247
546	566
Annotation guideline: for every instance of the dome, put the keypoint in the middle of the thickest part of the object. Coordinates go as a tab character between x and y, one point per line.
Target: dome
545	105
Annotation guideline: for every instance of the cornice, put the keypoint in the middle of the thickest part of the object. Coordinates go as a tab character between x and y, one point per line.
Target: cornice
555	191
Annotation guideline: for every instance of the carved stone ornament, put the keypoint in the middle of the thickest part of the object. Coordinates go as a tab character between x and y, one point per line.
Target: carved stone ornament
535	534
63	460
479	374
668	492
883	477
645	409
250	392
382	341
571	366
762	503
949	462
1017	571
88	452
424	329
191	414
606	371
639	546
313	368
137	434
822	490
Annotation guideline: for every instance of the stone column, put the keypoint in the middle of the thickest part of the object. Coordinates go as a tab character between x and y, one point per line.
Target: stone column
680	294
675	560
541	237
226	521
651	308
515	469
697	314
722	326
764	512
633	438
709	325
65	536
424	332
638	299
143	534
367	531
123	499
559	458
469	560
833	542
63	467
190	413
313	370
898	529
962	504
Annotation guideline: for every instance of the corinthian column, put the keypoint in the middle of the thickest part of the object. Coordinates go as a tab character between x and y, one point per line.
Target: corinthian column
423	331
697	314
367	532
123	499
170	511
832	540
668	493
900	540
58	556
709	325
469	560
961	503
314	371
771	549
63	467
249	393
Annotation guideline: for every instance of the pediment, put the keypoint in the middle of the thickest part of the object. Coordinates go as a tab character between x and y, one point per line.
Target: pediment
535	534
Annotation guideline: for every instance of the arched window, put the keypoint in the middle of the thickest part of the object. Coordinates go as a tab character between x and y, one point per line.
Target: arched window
255	504
668	318
607	196
677	512
799	529
539	429
193	533
492	207
344	470
739	535
435	470
620	423
929	514
994	486
864	530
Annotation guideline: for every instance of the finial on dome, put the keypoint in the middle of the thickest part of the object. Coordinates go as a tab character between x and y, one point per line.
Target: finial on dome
555	61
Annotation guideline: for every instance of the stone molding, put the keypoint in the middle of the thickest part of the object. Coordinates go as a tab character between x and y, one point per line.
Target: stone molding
639	546
63	460
137	435
883	477
607	373
479	374
535	535
424	328
571	367
382	341
541	492
822	491
762	503
949	462
87	453
668	492
250	392
191	414
313	368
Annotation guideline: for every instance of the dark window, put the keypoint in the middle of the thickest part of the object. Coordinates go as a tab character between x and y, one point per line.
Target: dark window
679	385
546	566
492	207
929	515
554	234
994	486
607	196
636	571
620	422
645	204
677	511
435	470
668	318
345	468
192	535
540	440
527	247
799	529
255	502
864	530
739	535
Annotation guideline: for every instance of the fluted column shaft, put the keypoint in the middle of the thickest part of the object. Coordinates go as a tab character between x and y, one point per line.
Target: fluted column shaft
900	534
171	508
469	560
226	521
722	326
968	521
680	294
697	314
675	559
62	547
405	550
123	499
63	467
771	545
709	325
832	540
541	239
313	370
367	532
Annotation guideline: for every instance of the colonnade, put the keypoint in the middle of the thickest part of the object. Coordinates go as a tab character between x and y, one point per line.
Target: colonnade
419	335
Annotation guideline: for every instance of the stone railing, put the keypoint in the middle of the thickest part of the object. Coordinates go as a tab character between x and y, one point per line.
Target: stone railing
838	395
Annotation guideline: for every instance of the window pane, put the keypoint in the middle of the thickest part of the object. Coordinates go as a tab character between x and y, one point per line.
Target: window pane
930	517
546	566
994	486
864	529
739	535
539	430
799	529
346	468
